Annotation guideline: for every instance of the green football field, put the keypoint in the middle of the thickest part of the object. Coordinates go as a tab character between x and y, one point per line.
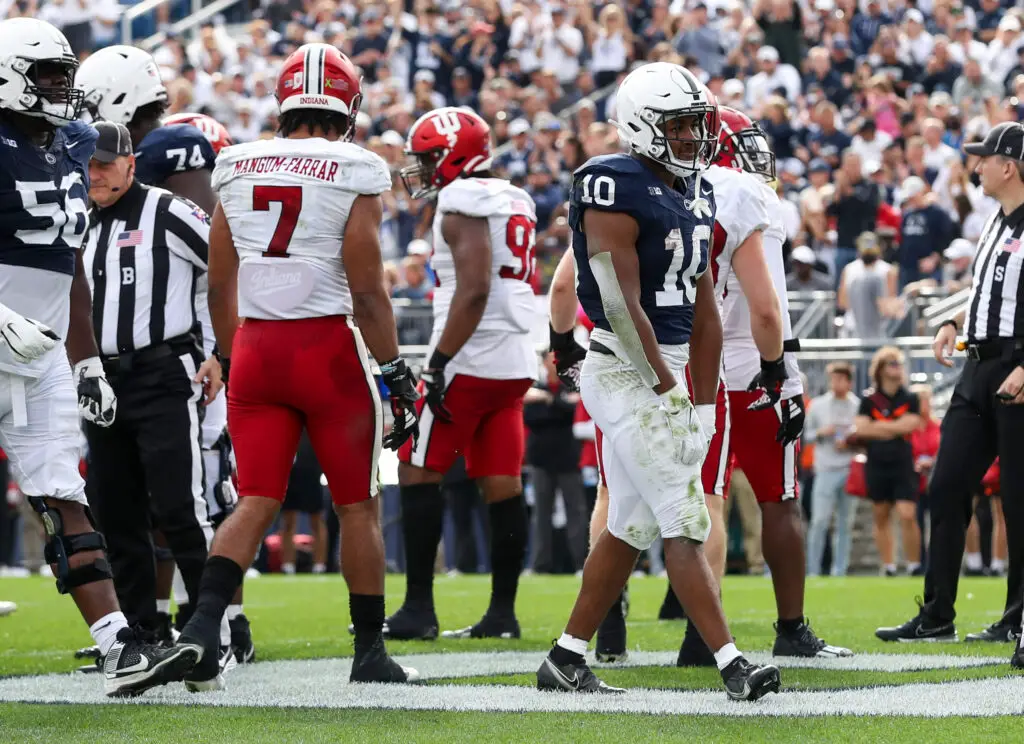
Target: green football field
298	692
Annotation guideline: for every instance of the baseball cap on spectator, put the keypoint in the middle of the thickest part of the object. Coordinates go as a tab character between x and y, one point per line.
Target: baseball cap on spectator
392	138
767	54
460	72
825	6
363	120
424	76
733	88
940	98
959	248
912	186
793	167
803	254
517	127
839	42
915	89
418	247
1009	23
819	166
1006	139
914	15
371	14
540	168
867	243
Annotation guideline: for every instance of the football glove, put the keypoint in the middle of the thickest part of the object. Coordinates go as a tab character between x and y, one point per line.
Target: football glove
569	357
435	387
791	423
402	393
686	426
96	400
769	380
27	339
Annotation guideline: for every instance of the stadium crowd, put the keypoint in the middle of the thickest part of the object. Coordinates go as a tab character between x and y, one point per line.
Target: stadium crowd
866	105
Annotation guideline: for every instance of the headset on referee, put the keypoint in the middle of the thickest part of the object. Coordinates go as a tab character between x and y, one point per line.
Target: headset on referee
145	260
986	414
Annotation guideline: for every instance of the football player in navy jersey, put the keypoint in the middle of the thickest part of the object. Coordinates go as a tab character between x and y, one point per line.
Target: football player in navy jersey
122	84
641	226
44	156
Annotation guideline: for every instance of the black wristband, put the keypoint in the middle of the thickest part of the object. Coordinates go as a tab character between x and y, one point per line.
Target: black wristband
559	340
392	368
951	322
225	367
438	360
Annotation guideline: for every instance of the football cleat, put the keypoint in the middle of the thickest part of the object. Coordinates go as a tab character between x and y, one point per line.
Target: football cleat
746	681
165	634
552	677
994	633
611	635
918	629
131	667
671	609
241	640
803	642
1017	660
693	652
490	626
207	675
373	664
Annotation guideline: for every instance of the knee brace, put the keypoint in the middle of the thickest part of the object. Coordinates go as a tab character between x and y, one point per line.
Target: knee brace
60	547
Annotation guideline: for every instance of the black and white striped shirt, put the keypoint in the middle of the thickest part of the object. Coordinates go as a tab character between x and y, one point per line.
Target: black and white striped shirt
996	306
145	260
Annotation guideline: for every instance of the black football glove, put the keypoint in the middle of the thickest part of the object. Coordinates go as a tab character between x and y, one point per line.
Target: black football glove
402	393
435	386
569	357
791	423
769	381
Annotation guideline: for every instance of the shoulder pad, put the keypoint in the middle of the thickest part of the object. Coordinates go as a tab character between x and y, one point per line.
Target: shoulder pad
611	183
618	163
178	148
80	141
368	172
481	197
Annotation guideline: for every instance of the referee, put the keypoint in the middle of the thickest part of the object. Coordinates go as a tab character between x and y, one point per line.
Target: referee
145	260
986	415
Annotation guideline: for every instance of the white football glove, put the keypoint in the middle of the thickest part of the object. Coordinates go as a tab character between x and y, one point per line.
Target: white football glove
686	426
96	400
26	338
706	414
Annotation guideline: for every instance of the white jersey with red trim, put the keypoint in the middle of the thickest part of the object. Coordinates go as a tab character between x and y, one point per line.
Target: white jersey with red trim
287	202
744	206
501	347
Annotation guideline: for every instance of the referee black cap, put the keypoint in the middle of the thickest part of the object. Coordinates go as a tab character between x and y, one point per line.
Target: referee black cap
1006	139
114	141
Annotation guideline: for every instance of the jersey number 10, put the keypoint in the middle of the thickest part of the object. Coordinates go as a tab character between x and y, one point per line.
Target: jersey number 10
680	284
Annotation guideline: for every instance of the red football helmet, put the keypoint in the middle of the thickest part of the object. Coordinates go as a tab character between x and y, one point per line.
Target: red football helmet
214	131
446	143
318	76
743	144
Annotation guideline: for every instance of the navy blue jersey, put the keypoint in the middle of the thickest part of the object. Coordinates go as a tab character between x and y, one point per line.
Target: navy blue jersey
672	245
44	197
177	148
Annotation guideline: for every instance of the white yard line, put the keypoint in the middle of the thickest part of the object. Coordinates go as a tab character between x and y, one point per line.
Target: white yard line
323	683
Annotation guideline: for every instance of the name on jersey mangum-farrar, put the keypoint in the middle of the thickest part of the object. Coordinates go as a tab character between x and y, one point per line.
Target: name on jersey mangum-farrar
319	168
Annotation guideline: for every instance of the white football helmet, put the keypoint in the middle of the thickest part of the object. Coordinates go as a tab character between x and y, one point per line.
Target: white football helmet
119	80
37	71
653	95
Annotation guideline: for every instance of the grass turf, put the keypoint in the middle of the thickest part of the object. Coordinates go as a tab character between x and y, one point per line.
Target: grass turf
306	617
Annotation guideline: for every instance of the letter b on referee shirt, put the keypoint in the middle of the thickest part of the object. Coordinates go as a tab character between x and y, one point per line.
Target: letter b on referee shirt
127	275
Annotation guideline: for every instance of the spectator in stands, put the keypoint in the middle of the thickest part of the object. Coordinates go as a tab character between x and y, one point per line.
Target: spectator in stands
781	22
804	277
926	230
1003	50
822	75
973	88
956	272
610	39
865	27
941	71
829	423
915	41
866	288
774	78
783	135
886	419
561	46
854	206
869	143
415	283
937	154
702	40
547	195
925	443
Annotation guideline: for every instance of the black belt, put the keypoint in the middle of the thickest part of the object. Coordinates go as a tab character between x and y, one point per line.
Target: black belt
129	360
792	344
600	348
1005	348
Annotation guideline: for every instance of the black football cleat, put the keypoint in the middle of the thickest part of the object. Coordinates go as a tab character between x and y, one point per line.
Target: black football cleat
611	634
918	629
411	624
670	607
746	681
208	673
694	652
1017	660
241	640
132	666
552	677
372	664
505	627
804	643
165	633
994	633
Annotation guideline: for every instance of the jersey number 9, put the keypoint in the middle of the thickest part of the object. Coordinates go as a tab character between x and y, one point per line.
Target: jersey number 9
521	238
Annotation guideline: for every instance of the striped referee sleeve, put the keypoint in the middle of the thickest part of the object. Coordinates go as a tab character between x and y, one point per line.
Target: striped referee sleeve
186	227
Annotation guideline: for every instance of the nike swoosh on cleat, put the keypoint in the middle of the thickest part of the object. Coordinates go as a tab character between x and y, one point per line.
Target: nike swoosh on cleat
572	684
141	666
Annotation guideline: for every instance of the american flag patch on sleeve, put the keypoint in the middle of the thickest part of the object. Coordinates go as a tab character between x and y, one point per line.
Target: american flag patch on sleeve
1012	245
129	239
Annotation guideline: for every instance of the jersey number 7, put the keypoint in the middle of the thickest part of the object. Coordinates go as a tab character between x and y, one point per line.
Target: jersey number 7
290	199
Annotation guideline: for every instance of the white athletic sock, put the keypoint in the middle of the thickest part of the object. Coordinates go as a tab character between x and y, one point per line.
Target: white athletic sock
726	655
911	567
319	568
164	606
998	565
974	561
233	611
104	631
570	643
225	631
890	567
288	568
178	590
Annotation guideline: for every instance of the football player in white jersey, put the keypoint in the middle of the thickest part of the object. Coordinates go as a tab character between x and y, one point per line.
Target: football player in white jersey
298	305
44	176
761	416
481	364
